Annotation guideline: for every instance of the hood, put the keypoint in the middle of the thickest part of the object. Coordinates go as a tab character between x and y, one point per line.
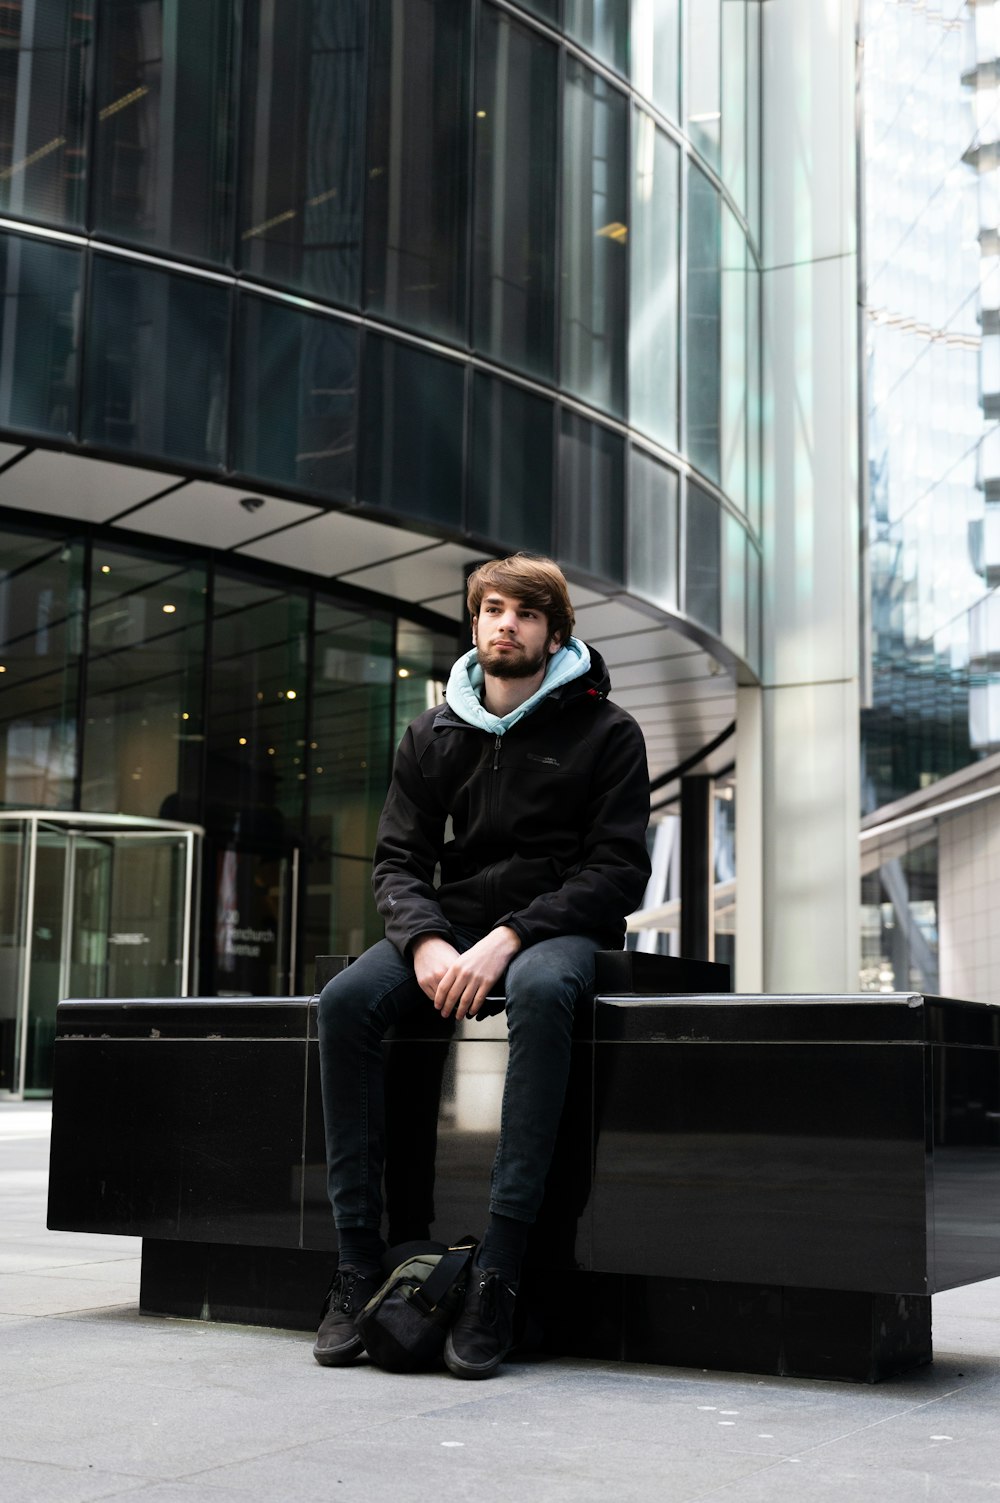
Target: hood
465	685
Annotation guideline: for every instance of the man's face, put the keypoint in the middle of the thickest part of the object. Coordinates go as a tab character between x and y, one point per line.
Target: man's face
512	639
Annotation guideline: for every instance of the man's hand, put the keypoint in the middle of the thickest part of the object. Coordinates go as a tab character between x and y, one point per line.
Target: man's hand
432	958
466	980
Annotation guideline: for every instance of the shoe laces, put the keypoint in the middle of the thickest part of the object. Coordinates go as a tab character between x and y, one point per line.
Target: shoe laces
490	1285
341	1291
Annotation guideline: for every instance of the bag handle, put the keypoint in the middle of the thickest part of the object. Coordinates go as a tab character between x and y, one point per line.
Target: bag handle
450	1267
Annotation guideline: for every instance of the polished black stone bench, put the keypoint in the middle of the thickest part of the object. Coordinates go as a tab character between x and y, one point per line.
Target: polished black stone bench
766	1184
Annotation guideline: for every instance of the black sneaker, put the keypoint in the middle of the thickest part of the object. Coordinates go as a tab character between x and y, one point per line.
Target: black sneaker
337	1340
482	1334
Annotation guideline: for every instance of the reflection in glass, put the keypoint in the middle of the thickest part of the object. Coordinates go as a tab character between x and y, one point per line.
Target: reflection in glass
752	206
411	449
594	235
255	732
423	663
163	145
514	229
701	558
38	335
655	53
703	85
753	647
349	770
296	401
734	584
704	252
44	65
548	10
601	26
590	528
653	289
157	350
733	164
652	530
418	164
510	481
143	731
41	640
735	356
302	167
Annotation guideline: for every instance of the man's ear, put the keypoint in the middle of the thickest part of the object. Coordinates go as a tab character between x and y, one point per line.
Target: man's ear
474	641
555	642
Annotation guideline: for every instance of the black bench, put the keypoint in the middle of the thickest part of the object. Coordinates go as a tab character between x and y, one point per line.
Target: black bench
768	1184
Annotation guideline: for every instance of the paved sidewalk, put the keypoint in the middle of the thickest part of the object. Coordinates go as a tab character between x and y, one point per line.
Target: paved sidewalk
97	1401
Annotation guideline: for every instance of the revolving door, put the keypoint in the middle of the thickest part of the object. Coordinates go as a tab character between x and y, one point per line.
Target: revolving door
90	906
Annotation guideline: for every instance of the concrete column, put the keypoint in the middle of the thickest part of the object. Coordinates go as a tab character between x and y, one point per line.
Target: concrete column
809	786
697	868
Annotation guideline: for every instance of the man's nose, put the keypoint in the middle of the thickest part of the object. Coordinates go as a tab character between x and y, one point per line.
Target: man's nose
508	621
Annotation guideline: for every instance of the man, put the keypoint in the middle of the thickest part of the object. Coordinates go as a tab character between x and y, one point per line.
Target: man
547	789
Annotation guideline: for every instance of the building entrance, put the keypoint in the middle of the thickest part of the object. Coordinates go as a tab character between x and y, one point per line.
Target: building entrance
92	905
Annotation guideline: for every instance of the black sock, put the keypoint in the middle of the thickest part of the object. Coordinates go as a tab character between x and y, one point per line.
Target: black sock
360	1248
503	1247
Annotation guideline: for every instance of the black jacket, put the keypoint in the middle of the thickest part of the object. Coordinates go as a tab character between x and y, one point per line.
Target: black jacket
548	822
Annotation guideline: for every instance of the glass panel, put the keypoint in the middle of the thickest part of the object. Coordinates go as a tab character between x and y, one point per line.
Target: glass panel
734	99
297	397
256	730
753	652
655	53
652	531
601	26
38	335
753	119
701	558
754	454
44	76
157	359
47	921
591	498
41	638
413	427
653	286
13	893
704	355
143	737
735	355
702	77
252	922
163	148
514	232
302	176
734	585
595	231
548	10
418	164
423	663
510	483
349	773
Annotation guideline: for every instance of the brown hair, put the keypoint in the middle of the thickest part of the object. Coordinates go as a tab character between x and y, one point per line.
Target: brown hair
536	581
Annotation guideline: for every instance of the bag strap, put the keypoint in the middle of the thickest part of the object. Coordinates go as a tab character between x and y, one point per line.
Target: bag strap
450	1267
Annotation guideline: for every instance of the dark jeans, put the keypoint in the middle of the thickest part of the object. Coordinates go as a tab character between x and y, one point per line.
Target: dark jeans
358	1006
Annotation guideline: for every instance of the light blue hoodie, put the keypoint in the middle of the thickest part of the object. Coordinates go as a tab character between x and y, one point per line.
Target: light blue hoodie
465	687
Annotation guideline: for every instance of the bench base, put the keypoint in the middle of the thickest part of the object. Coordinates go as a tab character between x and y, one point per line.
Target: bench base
857	1336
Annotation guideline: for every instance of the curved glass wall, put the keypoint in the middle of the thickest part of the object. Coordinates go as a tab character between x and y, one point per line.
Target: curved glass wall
555	204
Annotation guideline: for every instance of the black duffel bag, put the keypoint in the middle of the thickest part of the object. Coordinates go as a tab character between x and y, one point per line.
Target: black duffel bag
405	1323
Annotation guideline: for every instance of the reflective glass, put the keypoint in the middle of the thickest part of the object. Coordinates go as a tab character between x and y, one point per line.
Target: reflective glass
548	10
510	480
44	79
753	648
735	356
163	144
704	253
754	457
514	228
702	544
413	423
418	164
734	584
594	235
143	734
302	170
702	76
655	53
735	140
349	751
601	26
652	530
157	362
255	731
590	529
41	640
296	404
423	663
752	208
653	282
39	335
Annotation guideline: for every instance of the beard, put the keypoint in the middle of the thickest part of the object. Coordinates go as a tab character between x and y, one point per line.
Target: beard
515	664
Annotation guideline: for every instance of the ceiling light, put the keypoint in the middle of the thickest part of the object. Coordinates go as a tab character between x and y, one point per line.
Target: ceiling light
243	741
403	673
185	715
168	610
105	568
290	694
